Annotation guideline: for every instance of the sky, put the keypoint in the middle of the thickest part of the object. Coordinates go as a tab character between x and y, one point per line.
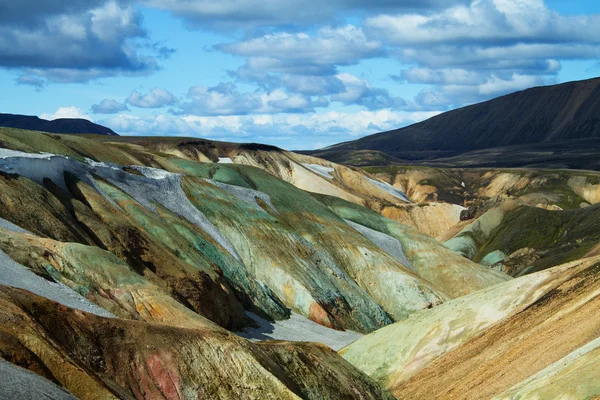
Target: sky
298	74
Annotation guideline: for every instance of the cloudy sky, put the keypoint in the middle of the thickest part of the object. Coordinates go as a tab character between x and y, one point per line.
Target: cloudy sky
300	76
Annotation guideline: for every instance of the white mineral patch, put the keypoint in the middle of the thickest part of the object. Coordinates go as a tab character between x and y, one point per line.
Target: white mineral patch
246	195
387	243
21	384
16	275
225	160
386	187
298	329
320	170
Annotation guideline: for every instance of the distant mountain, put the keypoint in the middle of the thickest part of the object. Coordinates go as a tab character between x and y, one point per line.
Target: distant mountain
540	115
62	125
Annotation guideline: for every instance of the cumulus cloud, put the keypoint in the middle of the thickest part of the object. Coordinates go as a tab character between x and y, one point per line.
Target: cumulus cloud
490	22
307	65
109	106
156	98
67	112
74	40
442	97
476	51
226	99
299	131
359	91
300	53
511	35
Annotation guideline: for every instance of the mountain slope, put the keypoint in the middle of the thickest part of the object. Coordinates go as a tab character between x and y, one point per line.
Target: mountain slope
547	114
234	233
112	358
61	125
486	343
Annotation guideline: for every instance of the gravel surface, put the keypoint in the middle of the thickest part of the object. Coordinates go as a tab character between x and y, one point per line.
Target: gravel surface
387	243
298	329
16	275
17	383
386	187
320	170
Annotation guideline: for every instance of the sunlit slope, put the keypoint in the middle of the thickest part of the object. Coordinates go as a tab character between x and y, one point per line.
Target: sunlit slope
449	271
485	343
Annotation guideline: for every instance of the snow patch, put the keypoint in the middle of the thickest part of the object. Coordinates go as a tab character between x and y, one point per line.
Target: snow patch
298	329
225	160
387	243
386	187
320	170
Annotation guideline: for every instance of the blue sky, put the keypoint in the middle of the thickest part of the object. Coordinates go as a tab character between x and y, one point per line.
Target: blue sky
297	74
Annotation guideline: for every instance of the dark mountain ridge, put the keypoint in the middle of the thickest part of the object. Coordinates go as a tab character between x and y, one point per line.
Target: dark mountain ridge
61	125
539	115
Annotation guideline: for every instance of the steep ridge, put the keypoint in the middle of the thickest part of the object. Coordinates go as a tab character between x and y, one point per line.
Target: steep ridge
482	344
468	187
572	377
539	115
353	283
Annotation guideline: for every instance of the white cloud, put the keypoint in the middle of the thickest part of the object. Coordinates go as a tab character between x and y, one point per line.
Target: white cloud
156	98
226	99
300	53
67	112
302	129
359	91
74	42
109	106
443	96
486	22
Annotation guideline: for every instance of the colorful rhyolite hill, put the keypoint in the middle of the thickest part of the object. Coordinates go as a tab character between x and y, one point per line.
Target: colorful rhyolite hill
184	268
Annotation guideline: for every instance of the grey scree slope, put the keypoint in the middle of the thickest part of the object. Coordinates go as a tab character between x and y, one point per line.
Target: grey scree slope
16	275
387	243
298	329
17	383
